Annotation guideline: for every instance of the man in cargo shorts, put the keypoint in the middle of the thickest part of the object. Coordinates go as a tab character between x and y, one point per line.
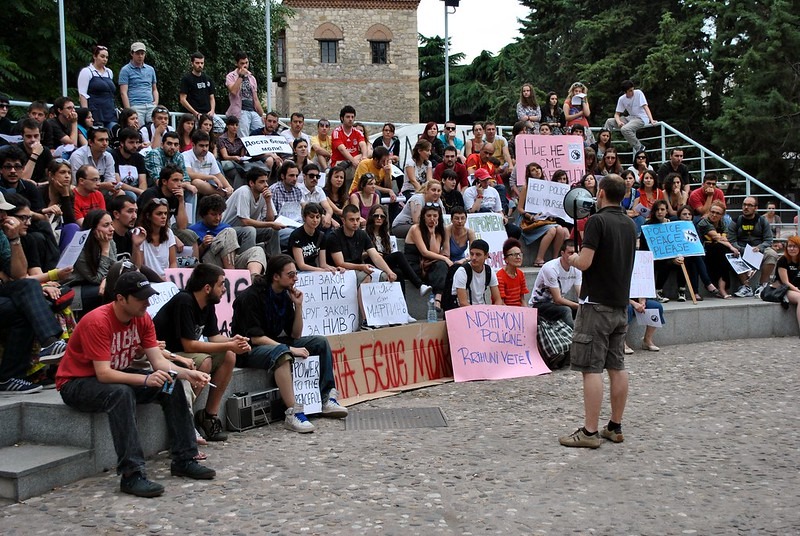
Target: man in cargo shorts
606	261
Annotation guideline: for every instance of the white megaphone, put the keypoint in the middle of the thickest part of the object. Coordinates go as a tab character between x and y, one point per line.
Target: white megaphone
578	203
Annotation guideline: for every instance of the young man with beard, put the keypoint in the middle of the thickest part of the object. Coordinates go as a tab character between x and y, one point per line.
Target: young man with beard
130	171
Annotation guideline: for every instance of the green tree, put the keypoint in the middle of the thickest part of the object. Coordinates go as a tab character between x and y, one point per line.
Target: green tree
431	77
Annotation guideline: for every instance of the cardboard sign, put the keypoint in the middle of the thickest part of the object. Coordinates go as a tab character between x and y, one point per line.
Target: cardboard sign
305	380
258	145
547	198
235	282
368	362
673	239
643	280
330	302
491	342
738	264
552	153
384	303
165	291
489	226
73	250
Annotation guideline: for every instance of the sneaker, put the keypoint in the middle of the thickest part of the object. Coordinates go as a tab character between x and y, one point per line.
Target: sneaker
297	421
332	408
579	438
424	289
660	297
137	484
612	435
210	425
759	289
192	469
744	292
17	386
785	302
55	349
681	294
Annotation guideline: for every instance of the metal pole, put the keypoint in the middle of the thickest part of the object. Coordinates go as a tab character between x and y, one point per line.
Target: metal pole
446	68
61	26
268	24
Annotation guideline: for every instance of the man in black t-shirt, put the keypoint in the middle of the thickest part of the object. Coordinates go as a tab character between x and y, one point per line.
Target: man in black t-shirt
129	167
197	92
606	260
674	165
183	321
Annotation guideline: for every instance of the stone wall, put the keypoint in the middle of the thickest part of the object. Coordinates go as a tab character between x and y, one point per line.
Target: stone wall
387	92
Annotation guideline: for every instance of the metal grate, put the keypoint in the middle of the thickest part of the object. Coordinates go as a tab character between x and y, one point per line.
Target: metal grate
395	419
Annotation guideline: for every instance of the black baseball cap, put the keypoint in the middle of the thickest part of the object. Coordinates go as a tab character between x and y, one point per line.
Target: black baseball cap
480	244
134	284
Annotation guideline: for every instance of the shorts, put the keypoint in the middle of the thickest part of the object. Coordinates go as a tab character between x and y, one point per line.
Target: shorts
598	340
216	359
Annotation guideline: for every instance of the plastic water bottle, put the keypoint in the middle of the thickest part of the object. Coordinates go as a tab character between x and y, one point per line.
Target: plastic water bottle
432	316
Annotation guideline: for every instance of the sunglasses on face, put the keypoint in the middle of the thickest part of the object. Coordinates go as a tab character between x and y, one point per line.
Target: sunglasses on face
324	124
379	216
312	175
450	128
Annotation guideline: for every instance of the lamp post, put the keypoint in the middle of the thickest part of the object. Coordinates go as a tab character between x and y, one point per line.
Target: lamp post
447	4
268	25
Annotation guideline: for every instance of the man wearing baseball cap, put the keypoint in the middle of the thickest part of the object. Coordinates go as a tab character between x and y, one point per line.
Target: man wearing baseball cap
472	290
95	376
137	83
482	197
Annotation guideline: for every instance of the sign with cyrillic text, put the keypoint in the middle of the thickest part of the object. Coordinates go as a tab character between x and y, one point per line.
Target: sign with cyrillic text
384	303
258	145
551	153
330	302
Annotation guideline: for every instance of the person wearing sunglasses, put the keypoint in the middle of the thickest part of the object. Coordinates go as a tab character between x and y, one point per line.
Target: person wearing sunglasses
313	193
715	241
5	123
138	87
268	313
450	137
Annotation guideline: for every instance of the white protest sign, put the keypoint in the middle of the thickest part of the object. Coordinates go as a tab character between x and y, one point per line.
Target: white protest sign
551	153
489	226
305	380
384	303
643	281
650	317
330	302
753	258
166	290
73	250
547	198
258	145
737	263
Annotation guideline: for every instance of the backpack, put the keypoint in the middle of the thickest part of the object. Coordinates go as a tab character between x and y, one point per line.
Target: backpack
450	300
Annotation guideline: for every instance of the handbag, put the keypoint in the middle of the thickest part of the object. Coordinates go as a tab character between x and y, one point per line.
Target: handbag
554	338
774	294
531	225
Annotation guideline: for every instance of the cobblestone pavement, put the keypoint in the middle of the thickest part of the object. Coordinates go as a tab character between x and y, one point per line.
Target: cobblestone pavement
711	448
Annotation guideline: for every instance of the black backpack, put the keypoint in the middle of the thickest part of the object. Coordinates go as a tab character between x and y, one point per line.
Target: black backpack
450	300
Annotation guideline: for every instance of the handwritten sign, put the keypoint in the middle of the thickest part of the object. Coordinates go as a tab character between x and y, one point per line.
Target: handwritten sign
166	290
305	380
258	145
489	226
384	303
643	281
491	342
552	153
673	239
547	198
235	282
330	302
73	250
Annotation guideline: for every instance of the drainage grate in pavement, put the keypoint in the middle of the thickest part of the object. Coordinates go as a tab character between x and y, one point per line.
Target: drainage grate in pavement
395	419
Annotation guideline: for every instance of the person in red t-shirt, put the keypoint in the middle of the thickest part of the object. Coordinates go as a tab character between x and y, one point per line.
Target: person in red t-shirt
701	198
511	280
94	376
450	161
348	143
87	195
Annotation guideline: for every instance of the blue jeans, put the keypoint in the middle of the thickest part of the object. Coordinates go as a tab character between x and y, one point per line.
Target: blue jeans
265	356
119	401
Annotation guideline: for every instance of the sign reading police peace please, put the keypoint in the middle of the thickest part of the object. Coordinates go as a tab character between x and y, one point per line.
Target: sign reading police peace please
258	145
673	239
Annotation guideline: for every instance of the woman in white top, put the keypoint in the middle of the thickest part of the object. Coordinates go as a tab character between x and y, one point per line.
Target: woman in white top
418	169
158	248
97	89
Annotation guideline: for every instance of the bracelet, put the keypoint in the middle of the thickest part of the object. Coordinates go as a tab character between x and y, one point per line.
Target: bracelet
33	159
145	379
53	274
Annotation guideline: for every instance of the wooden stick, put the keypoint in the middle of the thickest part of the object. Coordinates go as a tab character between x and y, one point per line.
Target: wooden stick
688	283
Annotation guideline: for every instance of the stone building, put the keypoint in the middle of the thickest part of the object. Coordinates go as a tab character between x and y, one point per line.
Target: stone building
357	52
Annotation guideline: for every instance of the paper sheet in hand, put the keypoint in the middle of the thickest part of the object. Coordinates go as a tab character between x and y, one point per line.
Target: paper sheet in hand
753	258
73	250
650	317
288	222
738	264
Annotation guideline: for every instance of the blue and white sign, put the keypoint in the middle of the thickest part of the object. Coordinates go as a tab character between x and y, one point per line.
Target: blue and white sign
673	239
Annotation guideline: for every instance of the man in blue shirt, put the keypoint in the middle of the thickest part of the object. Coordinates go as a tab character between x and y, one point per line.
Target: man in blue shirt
137	83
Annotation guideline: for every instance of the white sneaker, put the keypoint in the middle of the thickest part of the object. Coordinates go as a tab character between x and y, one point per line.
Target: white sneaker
424	289
332	408
759	290
744	292
297	421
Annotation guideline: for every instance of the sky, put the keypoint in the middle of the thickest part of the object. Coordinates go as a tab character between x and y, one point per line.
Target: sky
477	25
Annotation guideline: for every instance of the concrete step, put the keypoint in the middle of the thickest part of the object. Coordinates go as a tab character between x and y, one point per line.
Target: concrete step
27	469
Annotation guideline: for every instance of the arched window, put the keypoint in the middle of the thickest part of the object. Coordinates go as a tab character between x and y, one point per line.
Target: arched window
328	36
379	37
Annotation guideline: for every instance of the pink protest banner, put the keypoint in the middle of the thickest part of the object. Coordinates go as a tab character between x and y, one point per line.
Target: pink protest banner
235	282
552	153
493	342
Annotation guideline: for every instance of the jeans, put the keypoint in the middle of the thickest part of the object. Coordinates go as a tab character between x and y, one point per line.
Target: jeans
119	401
265	356
248	122
145	112
553	311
